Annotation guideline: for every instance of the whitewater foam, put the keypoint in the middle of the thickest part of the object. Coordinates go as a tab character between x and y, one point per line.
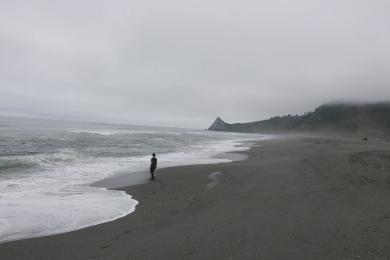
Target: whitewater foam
52	192
60	199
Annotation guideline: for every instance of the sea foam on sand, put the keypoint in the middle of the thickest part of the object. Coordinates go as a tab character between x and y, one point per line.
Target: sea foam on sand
60	199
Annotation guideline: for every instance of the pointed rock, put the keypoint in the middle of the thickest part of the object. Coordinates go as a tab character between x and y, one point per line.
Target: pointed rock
218	125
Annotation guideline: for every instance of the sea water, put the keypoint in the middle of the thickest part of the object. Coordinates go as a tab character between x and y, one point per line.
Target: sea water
47	168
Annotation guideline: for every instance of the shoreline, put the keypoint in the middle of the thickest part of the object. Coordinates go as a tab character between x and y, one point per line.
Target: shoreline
118	181
100	203
126	179
297	198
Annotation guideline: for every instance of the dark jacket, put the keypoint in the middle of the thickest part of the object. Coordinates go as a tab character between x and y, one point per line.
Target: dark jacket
153	164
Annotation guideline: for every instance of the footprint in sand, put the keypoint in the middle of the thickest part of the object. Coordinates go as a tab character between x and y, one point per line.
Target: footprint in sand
215	178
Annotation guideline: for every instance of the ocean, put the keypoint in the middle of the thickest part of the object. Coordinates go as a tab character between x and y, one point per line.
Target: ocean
48	169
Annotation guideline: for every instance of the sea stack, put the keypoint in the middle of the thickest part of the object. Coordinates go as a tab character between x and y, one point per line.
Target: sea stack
218	125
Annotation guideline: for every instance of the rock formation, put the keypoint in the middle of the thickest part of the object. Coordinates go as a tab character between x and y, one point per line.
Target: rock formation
218	125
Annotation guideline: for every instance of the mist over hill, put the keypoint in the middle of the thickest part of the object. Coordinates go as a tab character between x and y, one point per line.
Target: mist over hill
345	118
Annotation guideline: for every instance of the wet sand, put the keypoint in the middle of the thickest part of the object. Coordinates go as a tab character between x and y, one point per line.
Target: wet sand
293	198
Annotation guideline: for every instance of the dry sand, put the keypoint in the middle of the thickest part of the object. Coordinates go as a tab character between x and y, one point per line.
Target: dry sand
294	198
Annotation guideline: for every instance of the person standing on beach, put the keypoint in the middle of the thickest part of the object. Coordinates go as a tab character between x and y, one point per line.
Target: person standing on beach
153	165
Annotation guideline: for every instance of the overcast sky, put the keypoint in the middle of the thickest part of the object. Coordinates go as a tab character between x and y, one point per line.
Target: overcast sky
184	62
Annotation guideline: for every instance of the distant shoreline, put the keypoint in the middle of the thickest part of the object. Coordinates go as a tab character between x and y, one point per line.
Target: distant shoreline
346	119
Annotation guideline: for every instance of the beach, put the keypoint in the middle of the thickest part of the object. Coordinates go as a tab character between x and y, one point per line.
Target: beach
292	198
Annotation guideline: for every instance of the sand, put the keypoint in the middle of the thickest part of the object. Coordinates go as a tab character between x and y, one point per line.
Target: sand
293	198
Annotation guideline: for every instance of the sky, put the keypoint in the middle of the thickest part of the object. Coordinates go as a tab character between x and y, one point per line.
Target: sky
183	63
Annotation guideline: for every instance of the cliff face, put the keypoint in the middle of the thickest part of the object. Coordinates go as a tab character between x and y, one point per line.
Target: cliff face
219	125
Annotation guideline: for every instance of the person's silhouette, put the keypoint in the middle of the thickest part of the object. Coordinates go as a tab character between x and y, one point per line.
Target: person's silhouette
153	165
